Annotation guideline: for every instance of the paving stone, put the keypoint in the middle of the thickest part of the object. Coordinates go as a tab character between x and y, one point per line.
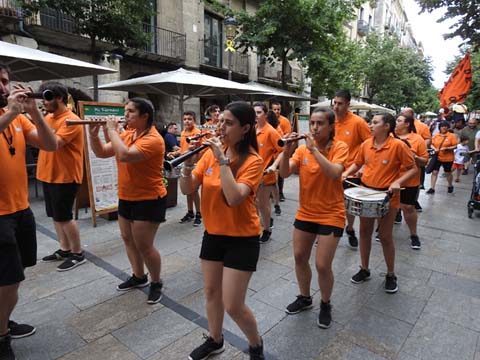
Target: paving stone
376	281
174	263
339	348
455	283
99	320
148	335
167	244
51	341
346	302
376	332
267	272
43	311
182	284
435	338
105	348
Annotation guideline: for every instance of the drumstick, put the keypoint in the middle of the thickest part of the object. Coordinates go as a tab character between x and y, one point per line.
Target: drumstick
375	192
352	183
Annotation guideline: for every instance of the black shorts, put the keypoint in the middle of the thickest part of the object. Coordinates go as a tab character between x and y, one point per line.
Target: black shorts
353	180
447	166
409	195
143	210
236	252
318	229
18	246
59	200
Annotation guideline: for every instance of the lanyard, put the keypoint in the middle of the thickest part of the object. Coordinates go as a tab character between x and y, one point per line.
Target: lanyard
9	141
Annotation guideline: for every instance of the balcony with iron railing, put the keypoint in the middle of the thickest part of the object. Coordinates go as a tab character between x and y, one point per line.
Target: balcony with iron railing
363	28
216	57
9	10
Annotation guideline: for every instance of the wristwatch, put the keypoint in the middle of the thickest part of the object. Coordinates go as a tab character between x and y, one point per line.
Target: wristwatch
225	161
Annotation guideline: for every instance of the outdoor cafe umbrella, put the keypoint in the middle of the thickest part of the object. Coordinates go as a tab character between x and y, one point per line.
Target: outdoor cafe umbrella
181	84
268	92
29	64
354	105
430	113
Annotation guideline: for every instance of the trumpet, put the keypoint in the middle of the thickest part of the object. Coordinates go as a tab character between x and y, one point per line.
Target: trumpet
283	142
198	136
168	165
92	121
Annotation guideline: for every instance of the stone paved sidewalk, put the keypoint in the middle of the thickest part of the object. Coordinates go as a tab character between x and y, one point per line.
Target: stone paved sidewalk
435	314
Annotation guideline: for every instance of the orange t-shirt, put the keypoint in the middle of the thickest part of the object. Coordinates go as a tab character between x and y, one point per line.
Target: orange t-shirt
218	217
321	198
418	147
65	165
284	124
450	140
381	167
183	138
268	148
422	129
142	180
353	131
13	173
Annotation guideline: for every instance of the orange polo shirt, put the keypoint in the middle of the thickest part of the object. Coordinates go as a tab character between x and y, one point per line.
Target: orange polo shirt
284	124
13	169
183	138
418	147
422	129
450	140
268	148
321	198
65	165
218	217
353	131
381	167
142	180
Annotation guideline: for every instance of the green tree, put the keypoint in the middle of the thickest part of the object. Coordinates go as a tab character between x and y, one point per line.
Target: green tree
466	14
119	22
306	30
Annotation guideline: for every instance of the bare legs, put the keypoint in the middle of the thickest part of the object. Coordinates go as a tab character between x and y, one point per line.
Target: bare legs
68	235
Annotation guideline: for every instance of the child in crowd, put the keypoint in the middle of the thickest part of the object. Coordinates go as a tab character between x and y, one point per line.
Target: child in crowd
459	161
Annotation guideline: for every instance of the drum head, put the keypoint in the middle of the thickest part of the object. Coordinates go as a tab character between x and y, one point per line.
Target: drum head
365	194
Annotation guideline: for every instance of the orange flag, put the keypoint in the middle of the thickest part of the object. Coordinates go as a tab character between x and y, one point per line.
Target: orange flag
456	88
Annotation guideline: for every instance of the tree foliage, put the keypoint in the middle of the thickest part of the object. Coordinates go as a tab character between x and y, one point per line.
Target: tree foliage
466	13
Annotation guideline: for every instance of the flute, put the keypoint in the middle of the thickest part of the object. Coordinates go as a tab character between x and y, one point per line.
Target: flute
92	121
283	142
198	136
47	95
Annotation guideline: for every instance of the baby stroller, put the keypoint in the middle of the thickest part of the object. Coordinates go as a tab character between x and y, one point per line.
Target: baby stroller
474	201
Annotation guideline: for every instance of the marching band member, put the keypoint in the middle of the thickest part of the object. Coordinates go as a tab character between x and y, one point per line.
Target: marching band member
213	112
384	158
321	212
142	199
406	130
229	175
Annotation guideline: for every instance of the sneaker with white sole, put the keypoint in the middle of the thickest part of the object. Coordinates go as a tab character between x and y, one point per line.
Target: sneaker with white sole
391	286
209	347
361	276
72	262
133	282
155	293
325	316
18	331
300	304
57	255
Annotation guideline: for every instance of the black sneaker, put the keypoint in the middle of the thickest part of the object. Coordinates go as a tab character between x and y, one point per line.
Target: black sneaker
278	211
465	172
266	236
209	347
391	286
300	304
430	191
415	244
133	282
155	294
360	277
256	352
421	187
325	317
187	218
398	217
57	255
281	197
450	189
198	220
418	207
352	239
6	351
271	224
72	262
18	331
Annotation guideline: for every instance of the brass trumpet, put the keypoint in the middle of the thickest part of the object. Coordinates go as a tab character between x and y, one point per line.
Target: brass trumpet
92	121
283	142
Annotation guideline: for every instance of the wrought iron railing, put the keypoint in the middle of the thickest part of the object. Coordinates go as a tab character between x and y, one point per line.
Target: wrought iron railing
239	61
10	9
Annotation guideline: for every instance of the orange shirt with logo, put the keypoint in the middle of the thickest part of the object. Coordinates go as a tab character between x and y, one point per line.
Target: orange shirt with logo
142	180
268	149
65	165
321	198
183	138
218	217
382	166
13	169
422	129
450	140
418	147
353	131
284	124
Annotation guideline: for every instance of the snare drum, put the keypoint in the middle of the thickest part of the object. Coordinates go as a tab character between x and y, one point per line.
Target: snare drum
365	202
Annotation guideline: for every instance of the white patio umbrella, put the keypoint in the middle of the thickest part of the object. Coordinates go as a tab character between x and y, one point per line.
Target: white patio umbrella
29	64
354	104
325	103
182	85
379	108
271	92
430	113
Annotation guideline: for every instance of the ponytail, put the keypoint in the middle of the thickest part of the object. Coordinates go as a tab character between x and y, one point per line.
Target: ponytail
391	121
